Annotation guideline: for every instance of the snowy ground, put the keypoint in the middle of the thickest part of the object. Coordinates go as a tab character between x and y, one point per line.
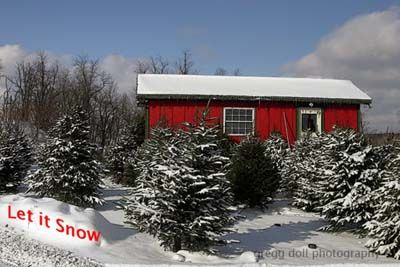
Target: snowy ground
18	250
277	236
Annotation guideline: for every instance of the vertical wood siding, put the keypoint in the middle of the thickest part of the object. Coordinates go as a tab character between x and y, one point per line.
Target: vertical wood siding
269	116
345	116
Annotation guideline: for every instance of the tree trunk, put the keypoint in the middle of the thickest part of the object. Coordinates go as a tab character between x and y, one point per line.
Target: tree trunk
177	244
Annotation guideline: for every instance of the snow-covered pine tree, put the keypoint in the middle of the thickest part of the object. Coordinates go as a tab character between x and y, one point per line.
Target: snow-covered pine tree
253	174
15	156
121	158
209	194
354	175
276	148
68	170
289	173
384	227
181	196
301	171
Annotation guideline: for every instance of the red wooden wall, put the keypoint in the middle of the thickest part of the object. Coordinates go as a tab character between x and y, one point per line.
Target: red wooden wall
345	116
269	116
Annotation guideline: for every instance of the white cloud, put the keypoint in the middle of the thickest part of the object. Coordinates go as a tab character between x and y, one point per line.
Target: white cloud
9	56
120	68
365	50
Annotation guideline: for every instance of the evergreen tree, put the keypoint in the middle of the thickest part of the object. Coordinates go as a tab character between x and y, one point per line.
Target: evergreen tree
355	173
384	227
68	170
253	174
306	169
276	148
121	158
15	156
181	196
289	173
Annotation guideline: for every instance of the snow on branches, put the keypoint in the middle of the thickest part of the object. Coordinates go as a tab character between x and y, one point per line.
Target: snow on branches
15	156
182	196
68	170
253	173
384	226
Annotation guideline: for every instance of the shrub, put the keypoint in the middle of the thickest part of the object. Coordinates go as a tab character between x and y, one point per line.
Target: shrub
253	174
68	170
301	172
384	227
15	156
355	172
121	157
181	196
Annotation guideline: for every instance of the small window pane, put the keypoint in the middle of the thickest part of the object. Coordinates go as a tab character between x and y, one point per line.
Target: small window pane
238	121
309	122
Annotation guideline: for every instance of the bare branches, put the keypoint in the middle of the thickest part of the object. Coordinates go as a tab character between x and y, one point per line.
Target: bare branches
185	63
236	72
224	72
142	66
39	92
220	72
159	65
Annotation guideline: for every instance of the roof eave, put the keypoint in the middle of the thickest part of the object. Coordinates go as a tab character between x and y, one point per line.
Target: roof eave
143	97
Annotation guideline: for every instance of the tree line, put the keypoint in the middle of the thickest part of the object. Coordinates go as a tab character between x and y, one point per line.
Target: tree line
42	90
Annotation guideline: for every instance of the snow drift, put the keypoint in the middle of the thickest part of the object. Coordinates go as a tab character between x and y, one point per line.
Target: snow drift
55	222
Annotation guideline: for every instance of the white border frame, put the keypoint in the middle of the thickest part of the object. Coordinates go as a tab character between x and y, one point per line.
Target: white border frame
316	111
253	119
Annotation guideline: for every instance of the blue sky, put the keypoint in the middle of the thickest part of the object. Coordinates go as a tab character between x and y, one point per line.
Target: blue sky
346	39
256	36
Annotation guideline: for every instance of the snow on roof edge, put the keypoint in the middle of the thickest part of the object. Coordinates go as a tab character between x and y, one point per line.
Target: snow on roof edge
175	86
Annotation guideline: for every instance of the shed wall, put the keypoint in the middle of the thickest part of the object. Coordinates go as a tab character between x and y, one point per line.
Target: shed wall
269	116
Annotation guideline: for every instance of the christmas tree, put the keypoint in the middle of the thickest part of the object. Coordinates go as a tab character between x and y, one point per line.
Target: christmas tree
122	153
276	148
181	196
15	156
68	170
384	227
301	170
253	174
355	173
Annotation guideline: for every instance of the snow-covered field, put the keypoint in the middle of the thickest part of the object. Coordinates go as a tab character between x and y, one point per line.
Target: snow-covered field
277	236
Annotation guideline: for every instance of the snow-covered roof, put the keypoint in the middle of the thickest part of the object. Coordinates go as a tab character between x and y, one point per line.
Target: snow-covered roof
172	86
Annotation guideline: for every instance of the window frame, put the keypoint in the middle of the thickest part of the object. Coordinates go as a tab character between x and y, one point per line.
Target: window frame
309	110
240	108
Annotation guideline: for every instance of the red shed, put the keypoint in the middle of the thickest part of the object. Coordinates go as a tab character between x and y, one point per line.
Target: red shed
244	105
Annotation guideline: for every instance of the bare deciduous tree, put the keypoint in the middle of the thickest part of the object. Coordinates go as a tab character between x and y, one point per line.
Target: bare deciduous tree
185	63
236	72
159	65
142	66
105	115
220	72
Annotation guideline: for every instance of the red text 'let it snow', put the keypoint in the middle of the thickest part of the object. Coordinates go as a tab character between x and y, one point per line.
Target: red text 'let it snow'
57	223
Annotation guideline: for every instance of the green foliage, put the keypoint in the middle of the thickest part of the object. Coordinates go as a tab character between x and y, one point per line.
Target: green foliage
384	226
181	196
121	158
253	174
68	170
15	156
354	171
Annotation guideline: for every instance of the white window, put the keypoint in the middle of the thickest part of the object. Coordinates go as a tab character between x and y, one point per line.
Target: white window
238	121
310	120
